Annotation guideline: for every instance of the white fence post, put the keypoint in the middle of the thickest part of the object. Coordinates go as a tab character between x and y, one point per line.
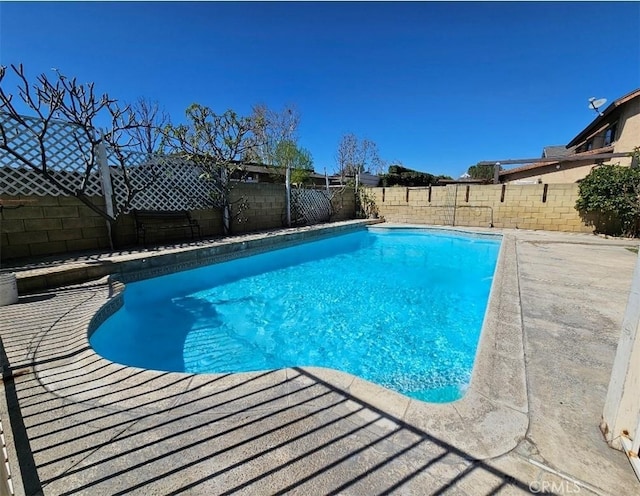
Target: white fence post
105	182
287	185
622	406
6	481
105	178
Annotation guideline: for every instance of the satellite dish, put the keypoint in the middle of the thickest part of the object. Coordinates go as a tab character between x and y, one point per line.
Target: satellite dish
596	104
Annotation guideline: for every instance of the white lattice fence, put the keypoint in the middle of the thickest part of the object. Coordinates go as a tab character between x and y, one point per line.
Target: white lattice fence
154	182
159	183
310	206
67	154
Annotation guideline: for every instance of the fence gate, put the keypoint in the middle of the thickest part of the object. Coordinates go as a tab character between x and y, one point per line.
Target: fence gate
309	206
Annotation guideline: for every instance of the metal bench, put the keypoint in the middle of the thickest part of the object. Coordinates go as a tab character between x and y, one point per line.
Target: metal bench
149	221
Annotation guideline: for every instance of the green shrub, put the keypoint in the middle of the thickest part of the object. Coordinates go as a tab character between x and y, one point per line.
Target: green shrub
612	190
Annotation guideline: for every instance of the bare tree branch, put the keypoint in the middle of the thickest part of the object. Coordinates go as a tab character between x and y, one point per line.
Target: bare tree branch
271	128
355	156
78	106
214	143
150	120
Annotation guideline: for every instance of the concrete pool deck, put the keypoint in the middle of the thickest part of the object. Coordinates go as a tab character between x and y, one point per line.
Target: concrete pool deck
76	423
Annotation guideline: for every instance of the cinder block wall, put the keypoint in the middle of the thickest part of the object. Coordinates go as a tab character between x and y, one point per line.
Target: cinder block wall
518	206
344	205
45	225
265	206
49	225
124	229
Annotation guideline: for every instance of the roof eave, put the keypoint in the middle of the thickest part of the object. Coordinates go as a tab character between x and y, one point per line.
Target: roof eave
589	130
601	154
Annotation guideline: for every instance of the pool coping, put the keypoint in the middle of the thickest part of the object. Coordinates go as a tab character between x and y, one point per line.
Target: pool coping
497	392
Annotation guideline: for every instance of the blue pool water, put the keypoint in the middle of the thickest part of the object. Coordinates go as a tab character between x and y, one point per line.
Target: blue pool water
402	308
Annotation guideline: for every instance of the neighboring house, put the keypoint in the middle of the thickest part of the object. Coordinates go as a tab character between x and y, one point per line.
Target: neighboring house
257	173
370	180
557	151
609	138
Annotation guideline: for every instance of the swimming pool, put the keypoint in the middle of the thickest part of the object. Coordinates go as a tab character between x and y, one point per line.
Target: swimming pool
402	308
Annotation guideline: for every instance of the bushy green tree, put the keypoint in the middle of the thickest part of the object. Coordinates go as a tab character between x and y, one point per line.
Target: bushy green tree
613	190
401	176
482	171
288	155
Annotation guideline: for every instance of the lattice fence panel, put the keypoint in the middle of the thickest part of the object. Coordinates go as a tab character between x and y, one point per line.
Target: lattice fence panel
309	206
160	183
154	182
67	155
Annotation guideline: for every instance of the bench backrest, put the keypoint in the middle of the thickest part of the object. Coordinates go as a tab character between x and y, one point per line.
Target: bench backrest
161	214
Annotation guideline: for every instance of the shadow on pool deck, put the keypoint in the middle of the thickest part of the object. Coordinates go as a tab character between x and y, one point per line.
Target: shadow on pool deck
83	425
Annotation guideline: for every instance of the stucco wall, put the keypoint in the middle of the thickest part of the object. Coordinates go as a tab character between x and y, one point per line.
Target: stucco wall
629	133
521	206
568	172
48	225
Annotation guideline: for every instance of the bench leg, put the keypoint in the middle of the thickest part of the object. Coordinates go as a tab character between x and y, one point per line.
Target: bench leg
197	228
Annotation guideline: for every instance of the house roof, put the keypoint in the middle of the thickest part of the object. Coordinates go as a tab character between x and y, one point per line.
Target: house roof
603	121
263	169
606	153
463	181
556	151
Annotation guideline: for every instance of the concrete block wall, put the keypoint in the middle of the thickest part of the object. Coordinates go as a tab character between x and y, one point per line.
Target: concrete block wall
520	206
45	225
265	206
344	205
412	205
49	225
124	229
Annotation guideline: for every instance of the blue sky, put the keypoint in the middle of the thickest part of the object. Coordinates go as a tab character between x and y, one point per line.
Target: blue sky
438	86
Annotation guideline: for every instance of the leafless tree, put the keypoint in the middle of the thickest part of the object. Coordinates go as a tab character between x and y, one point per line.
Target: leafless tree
357	155
271	128
151	120
214	143
63	101
346	156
